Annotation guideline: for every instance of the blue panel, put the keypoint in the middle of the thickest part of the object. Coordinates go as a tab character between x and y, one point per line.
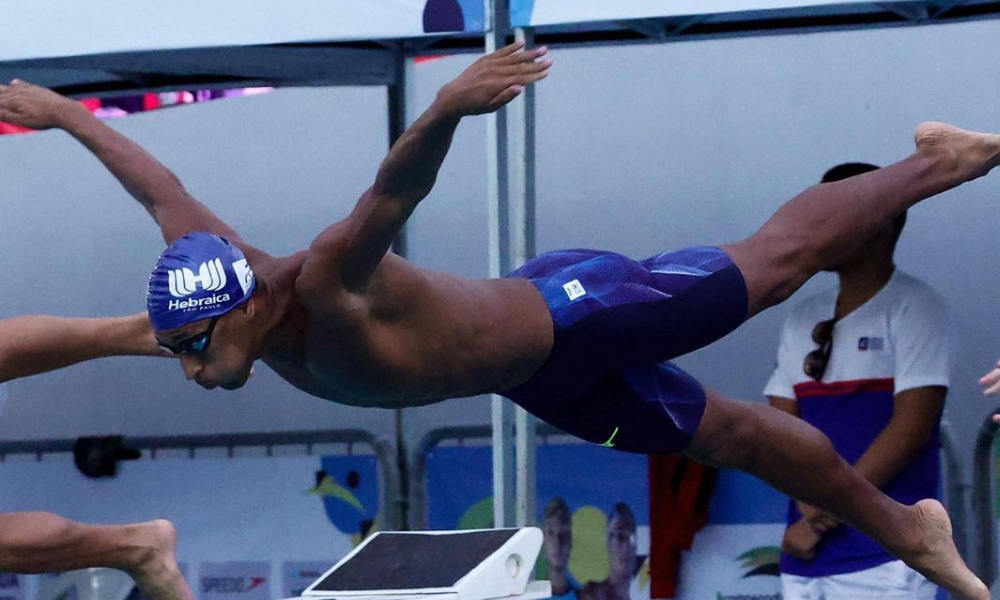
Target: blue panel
349	487
742	499
520	12
460	477
591	475
472	10
443	16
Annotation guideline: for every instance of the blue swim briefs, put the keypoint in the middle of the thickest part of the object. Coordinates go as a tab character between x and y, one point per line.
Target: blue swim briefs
617	322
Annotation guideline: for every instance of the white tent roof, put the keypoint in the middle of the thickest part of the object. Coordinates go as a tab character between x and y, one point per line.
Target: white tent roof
118	45
56	28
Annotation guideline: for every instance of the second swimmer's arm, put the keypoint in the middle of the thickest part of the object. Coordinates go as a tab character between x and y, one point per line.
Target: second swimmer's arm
36	344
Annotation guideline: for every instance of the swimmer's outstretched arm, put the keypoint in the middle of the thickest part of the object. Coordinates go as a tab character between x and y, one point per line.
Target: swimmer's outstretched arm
37	344
354	247
151	183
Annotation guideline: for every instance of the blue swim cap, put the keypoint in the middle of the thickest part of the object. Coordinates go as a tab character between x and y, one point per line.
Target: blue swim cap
199	276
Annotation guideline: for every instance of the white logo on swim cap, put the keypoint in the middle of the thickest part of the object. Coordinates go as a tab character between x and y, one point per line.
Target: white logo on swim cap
244	274
183	282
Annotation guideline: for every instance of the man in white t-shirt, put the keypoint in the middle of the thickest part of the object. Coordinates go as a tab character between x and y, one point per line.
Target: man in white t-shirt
866	363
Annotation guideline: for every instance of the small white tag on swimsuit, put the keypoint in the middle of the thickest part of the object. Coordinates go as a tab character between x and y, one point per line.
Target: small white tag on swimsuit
574	289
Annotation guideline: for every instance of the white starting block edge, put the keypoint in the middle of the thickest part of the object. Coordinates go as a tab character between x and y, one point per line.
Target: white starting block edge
503	575
536	590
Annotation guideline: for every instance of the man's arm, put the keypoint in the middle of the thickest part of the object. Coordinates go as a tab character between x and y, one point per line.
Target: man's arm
37	344
923	341
801	537
785	405
151	183
915	413
352	249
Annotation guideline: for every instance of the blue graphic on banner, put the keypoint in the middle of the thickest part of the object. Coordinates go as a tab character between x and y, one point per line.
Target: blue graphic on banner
739	546
460	478
349	488
741	499
442	16
520	12
473	12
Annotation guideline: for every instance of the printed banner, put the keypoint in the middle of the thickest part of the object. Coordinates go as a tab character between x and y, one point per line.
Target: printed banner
593	506
235	581
596	502
297	576
238	519
533	13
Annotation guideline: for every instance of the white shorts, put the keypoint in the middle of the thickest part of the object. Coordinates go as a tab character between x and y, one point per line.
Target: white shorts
892	580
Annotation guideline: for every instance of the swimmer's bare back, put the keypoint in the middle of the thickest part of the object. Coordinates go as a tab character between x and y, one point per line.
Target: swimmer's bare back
412	336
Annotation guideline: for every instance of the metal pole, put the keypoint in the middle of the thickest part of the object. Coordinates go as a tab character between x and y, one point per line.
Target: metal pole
956	491
499	238
982	501
398	95
522	234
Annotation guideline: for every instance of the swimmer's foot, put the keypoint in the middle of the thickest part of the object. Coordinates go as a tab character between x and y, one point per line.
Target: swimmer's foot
155	570
934	554
970	154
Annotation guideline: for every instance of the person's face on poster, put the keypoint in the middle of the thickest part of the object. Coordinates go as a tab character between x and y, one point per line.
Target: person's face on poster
558	543
622	548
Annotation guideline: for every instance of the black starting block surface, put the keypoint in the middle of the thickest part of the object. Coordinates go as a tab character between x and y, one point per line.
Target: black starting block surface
406	561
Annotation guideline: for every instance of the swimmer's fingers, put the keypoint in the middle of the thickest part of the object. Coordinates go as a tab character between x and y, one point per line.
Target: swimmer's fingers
32	106
504	97
7	115
493	80
527	56
528	72
991	382
994	385
506	51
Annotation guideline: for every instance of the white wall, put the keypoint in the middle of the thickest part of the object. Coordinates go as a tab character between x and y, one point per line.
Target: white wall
277	167
641	149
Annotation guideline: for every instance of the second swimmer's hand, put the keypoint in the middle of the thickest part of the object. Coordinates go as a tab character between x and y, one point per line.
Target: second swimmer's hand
33	106
991	382
493	80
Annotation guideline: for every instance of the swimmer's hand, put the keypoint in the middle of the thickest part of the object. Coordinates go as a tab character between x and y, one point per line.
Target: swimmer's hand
991	382
493	80
34	107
